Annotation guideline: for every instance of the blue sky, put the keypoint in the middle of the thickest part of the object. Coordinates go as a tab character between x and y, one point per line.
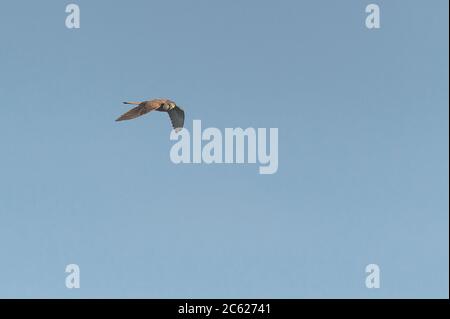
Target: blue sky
363	149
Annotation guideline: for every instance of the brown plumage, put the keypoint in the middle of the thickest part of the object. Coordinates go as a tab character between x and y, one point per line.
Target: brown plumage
176	114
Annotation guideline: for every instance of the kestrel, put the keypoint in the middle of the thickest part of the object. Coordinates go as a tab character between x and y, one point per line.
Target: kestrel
176	114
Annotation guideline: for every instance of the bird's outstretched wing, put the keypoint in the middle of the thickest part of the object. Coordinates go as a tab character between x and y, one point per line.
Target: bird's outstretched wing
177	117
139	110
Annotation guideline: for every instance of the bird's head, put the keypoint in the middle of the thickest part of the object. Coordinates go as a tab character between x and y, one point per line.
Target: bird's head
171	105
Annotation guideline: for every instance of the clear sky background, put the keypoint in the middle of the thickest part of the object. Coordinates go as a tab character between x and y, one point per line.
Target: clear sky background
363	149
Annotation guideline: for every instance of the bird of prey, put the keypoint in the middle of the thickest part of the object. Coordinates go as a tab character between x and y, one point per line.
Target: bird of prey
176	114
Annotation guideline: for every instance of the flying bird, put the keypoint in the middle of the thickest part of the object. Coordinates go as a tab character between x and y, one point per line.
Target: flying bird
176	114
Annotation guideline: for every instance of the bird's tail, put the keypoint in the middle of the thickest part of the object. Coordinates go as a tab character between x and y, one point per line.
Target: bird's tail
134	103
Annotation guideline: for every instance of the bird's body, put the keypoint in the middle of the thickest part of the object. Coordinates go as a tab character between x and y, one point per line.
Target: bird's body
176	114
